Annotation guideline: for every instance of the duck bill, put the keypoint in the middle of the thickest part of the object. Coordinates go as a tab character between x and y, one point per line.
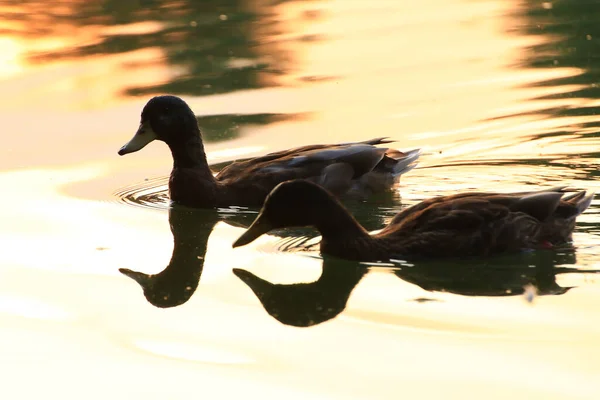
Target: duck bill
259	227
142	137
139	277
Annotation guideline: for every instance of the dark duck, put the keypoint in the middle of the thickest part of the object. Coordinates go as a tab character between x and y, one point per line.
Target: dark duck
347	169
466	224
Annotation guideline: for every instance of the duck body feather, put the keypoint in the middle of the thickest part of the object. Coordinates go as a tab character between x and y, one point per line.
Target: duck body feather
357	169
462	225
481	224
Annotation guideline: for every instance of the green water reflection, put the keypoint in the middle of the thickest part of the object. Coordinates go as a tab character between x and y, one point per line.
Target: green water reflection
217	45
570	38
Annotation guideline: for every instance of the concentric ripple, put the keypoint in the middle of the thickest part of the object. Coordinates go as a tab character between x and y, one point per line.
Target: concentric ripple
151	193
154	192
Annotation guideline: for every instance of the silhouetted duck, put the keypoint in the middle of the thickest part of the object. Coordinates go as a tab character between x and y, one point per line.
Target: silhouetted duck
467	224
307	304
354	169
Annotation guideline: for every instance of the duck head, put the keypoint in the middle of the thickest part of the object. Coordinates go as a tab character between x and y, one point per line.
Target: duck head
165	118
295	203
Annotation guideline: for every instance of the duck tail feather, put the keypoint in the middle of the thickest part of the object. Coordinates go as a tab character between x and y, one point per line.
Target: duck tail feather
407	163
372	142
573	197
404	170
380	140
539	205
584	202
558	189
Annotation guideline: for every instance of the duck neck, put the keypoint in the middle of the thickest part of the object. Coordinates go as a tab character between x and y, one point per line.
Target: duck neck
189	153
336	224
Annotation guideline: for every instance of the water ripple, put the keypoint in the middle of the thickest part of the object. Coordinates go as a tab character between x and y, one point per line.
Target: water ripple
152	193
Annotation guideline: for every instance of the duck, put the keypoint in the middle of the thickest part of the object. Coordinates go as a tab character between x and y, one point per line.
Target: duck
354	169
469	224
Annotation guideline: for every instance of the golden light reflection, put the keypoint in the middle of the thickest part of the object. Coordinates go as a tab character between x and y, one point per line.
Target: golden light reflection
89	83
55	226
10	63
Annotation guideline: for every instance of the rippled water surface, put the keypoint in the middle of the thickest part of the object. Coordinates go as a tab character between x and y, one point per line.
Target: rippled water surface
500	95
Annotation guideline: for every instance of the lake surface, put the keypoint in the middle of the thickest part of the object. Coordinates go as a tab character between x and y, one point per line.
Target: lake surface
500	95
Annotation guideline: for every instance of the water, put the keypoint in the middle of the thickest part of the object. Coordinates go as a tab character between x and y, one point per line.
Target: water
500	95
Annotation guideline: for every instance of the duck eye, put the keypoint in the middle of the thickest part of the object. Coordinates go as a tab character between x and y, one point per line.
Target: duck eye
165	119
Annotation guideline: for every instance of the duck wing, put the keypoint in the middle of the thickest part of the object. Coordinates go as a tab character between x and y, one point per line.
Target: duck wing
496	198
485	223
333	166
283	156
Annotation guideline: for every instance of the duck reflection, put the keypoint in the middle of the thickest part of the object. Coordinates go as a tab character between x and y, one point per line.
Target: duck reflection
191	229
307	304
500	276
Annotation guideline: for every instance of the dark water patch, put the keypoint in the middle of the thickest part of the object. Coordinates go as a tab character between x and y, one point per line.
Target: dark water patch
570	38
216	46
228	126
